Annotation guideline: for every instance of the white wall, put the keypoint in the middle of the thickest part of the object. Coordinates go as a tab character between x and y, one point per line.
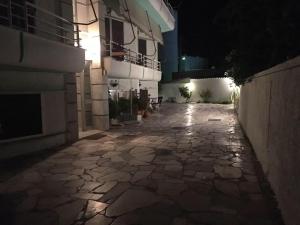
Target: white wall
221	89
151	86
269	112
57	104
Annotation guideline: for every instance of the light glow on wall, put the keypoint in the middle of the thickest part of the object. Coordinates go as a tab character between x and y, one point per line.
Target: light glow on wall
190	86
90	41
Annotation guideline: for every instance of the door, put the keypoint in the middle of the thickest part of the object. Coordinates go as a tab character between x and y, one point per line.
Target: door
117	33
142	50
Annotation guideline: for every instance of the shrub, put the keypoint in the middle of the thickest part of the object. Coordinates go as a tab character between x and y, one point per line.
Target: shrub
185	93
205	95
113	109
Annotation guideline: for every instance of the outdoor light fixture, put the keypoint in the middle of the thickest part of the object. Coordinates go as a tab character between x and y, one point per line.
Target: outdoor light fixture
114	83
190	86
183	58
91	43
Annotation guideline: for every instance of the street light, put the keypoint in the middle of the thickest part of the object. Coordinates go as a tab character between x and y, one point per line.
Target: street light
183	58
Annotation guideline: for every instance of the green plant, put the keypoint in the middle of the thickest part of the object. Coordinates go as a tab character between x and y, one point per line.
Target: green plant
113	109
205	95
185	93
124	105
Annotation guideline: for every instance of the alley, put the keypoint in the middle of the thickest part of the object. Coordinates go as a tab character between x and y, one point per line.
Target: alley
185	165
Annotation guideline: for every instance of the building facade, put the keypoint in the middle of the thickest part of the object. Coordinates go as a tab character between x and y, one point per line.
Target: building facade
121	53
38	63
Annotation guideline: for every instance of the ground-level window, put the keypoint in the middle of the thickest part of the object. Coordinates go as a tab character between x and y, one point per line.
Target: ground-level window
20	115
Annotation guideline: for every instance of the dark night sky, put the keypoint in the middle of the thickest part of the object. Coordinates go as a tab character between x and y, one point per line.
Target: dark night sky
198	35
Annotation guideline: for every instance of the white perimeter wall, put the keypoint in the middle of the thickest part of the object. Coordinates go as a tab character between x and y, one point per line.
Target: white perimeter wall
269	113
221	89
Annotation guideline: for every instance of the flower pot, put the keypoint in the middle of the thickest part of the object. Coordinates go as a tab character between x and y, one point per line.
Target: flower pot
145	115
114	121
139	117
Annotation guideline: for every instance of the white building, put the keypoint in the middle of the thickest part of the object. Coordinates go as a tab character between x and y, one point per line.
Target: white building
38	63
121	52
50	86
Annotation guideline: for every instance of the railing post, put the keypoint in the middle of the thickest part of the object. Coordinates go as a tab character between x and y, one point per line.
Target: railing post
26	17
110	48
9	13
77	36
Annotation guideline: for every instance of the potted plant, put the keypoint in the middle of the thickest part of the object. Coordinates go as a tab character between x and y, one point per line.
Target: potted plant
185	93
113	112
205	95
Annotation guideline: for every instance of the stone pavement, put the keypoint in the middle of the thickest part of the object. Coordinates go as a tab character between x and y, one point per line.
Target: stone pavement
188	164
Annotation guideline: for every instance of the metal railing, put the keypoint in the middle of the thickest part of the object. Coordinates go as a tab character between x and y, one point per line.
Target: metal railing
30	18
120	53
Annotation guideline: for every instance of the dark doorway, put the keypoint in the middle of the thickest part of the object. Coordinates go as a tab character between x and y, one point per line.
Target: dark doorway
20	115
142	49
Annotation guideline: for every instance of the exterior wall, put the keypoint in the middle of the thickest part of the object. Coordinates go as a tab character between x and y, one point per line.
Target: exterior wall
151	86
38	65
59	119
269	112
95	49
169	52
221	89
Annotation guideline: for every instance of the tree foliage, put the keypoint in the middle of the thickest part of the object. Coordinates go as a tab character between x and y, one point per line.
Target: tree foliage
185	93
258	34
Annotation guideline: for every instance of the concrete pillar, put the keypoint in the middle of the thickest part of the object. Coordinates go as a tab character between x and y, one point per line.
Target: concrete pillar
99	87
99	92
71	108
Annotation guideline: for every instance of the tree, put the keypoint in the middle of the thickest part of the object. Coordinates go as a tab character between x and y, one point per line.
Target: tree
259	34
185	93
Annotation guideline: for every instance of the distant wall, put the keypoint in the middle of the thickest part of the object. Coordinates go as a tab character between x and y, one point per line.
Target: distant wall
221	89
269	112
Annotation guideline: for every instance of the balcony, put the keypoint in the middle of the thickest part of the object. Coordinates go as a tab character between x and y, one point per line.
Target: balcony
37	39
121	62
160	11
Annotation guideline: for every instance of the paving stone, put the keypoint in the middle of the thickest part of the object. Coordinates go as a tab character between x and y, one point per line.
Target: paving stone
205	175
226	187
89	186
51	202
27	204
36	218
213	219
93	208
191	201
99	220
197	174
105	187
227	171
116	191
179	221
140	175
249	187
69	212
172	189
174	168
131	200
88	196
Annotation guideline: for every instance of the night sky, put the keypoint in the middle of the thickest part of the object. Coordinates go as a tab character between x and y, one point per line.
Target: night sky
198	33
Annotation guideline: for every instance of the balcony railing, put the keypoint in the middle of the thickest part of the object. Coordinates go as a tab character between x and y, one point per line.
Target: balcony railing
120	53
38	21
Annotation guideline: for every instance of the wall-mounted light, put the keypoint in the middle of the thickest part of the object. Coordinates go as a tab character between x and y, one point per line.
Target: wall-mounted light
183	58
90	41
114	83
190	86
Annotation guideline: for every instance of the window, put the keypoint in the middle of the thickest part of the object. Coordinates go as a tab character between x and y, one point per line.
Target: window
15	15
142	49
20	115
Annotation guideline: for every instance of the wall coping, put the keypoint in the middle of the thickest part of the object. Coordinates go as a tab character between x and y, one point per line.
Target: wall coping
290	64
